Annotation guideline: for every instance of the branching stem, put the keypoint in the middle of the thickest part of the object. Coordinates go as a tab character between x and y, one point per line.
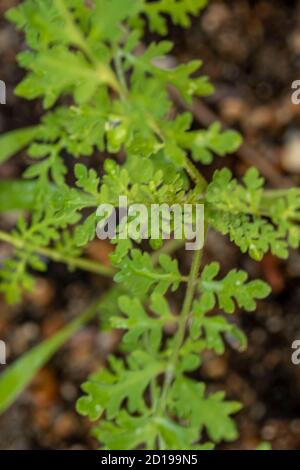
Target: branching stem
83	263
80	263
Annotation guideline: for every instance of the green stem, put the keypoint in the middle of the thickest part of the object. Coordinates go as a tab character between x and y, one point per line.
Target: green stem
120	73
83	263
179	338
195	174
80	263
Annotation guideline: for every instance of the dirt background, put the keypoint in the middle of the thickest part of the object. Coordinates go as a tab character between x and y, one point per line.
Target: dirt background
251	51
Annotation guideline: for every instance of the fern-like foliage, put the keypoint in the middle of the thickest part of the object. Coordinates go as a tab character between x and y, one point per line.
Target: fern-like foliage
187	398
104	91
255	220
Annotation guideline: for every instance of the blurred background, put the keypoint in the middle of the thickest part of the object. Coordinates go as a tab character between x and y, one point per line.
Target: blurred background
251	51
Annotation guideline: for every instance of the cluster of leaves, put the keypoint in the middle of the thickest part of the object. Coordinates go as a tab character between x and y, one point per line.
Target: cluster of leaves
105	91
256	221
136	381
62	60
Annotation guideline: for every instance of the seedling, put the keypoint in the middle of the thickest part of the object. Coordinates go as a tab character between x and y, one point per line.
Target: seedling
149	395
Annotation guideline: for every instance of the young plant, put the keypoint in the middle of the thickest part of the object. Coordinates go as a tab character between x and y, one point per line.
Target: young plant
106	91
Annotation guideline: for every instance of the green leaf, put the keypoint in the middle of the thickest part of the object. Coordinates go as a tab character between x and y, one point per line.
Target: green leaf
87	179
86	232
178	10
215	326
227	195
57	71
17	195
106	390
285	212
107	16
264	446
138	321
138	274
213	413
241	211
128	432
14	141
211	141
17	376
33	17
233	287
180	77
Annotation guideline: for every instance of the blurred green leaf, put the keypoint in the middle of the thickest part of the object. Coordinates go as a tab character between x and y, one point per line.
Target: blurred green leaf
12	142
17	195
264	446
17	376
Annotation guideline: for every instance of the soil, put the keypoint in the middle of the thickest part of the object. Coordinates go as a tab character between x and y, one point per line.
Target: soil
251	51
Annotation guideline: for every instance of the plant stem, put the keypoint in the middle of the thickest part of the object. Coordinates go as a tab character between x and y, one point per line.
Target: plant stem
81	263
179	338
195	174
120	73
